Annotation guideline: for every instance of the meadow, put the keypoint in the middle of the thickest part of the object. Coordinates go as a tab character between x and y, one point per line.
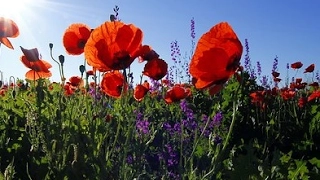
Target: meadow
204	117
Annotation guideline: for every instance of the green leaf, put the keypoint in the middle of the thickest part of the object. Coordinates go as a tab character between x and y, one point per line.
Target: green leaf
199	151
315	161
286	157
300	172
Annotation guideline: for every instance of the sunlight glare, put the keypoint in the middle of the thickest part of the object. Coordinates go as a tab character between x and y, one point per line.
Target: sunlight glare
13	7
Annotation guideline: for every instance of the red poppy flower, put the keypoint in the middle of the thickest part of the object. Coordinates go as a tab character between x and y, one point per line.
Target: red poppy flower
155	69
139	92
113	46
176	93
113	84
314	95
287	94
258	98
92	84
277	79
314	84
75	38
309	69
296	65
39	69
302	102
275	74
216	57
146	53
32	55
90	73
8	28
146	84
75	81
68	89
298	80
166	82
2	92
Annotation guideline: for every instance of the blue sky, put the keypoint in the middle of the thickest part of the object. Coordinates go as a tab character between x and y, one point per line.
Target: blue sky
288	29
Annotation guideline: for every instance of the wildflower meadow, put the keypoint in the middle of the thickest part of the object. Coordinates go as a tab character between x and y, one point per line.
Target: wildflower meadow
209	115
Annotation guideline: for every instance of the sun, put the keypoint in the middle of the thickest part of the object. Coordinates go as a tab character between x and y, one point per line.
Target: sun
13	7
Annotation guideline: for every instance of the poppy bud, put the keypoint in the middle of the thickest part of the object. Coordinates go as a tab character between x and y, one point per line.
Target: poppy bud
82	68
50	45
113	18
14	93
108	118
61	59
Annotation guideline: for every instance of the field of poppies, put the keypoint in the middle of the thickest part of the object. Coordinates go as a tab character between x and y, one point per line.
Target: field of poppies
207	117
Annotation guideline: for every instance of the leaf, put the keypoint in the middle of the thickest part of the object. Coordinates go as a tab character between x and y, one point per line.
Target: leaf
286	157
300	172
246	165
199	151
315	161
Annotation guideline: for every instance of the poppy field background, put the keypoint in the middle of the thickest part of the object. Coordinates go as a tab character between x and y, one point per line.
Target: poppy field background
180	121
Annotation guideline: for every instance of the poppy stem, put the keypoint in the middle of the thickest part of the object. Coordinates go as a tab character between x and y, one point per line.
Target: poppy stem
1	78
14	82
59	65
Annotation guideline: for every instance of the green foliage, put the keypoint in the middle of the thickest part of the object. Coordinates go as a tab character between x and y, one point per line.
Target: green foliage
46	134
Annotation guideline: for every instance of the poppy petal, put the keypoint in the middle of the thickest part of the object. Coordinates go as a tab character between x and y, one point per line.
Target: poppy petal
113	84
156	69
38	66
113	45
31	54
296	65
8	28
309	69
75	38
6	42
216	57
139	92
34	75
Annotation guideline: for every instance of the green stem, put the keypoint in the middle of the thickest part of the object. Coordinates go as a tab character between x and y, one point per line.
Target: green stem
219	156
60	69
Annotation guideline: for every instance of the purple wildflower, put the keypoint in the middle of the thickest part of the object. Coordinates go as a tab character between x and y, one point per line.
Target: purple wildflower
175	50
214	122
171	156
252	74
217	119
318	76
142	125
259	68
189	122
129	159
155	85
206	131
217	139
264	82
172	129
173	175
177	127
275	64
95	94
247	61
193	34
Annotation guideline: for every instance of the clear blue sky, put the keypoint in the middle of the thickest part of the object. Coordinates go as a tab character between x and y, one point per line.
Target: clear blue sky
286	28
